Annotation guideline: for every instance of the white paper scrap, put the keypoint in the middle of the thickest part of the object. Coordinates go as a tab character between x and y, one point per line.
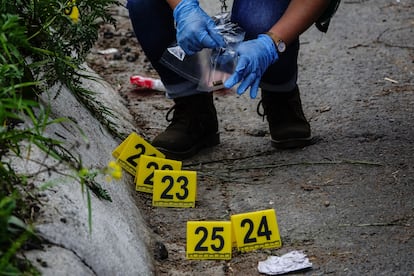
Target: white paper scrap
292	261
108	51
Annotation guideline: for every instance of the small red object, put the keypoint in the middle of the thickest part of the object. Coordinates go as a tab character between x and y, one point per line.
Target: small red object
147	82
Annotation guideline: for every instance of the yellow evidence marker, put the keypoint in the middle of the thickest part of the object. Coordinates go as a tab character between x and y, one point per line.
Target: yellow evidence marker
256	230
144	178
174	188
131	149
209	240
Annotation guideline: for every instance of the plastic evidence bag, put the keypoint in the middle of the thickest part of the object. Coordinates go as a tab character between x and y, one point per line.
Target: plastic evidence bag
209	68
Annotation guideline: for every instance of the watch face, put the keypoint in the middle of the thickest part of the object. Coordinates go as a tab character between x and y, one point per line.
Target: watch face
281	46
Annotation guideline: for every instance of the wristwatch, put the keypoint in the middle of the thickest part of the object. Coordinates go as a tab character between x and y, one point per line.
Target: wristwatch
279	43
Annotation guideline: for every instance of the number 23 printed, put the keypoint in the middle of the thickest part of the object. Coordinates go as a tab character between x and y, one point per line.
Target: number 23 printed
174	188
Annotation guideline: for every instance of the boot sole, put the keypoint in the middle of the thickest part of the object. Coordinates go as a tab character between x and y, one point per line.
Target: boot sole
209	141
293	143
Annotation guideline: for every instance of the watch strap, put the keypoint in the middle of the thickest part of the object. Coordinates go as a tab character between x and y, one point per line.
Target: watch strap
276	40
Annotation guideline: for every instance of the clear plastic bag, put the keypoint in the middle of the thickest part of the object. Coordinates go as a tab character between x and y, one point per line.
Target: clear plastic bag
221	64
210	68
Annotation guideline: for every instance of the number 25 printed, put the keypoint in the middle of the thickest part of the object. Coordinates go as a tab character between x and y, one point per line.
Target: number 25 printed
209	240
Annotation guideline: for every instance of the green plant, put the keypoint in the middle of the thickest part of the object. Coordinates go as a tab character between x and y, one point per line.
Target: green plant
13	234
42	43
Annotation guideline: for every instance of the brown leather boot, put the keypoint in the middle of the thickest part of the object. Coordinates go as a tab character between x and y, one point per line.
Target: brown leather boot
287	123
194	126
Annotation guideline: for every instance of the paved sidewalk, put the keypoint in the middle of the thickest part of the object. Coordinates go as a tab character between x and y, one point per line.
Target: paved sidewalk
348	201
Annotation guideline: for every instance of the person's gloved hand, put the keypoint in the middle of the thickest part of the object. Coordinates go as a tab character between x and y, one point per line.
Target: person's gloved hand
255	56
195	29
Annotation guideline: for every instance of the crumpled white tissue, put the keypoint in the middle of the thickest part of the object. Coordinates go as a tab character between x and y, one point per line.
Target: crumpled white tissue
292	261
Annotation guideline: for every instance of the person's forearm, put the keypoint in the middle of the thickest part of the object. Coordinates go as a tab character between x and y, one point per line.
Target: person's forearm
299	16
173	3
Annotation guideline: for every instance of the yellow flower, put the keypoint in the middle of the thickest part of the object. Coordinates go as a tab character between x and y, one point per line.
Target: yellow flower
72	11
113	165
83	172
114	170
117	175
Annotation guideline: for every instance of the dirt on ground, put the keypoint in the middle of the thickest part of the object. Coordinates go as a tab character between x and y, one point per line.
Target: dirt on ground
347	202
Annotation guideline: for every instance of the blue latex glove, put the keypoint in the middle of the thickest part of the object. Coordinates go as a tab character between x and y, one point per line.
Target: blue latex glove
195	29
255	56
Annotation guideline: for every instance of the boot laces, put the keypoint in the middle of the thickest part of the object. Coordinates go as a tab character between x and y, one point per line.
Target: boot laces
168	116
259	111
178	114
